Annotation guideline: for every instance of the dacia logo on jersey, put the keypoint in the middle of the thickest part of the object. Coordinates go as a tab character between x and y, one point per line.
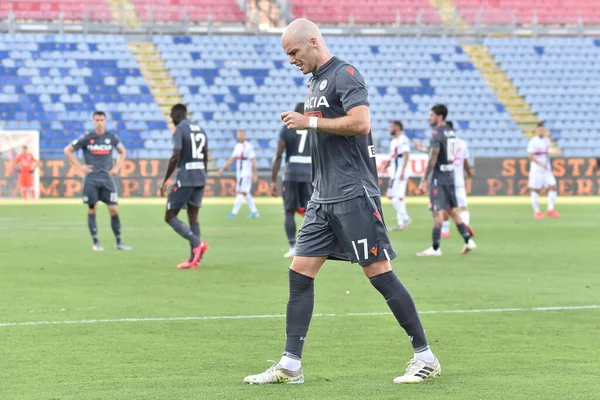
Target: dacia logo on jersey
316	102
99	148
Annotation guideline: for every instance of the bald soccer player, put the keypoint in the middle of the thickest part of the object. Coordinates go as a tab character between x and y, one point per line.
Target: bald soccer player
343	220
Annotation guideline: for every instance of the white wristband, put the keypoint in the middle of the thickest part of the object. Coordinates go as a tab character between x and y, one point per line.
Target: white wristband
312	122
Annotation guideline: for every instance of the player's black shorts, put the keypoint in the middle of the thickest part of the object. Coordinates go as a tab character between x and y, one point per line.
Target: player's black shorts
442	196
296	194
180	197
352	230
99	189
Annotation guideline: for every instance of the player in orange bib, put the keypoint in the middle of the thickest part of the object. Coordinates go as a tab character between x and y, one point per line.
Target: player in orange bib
26	163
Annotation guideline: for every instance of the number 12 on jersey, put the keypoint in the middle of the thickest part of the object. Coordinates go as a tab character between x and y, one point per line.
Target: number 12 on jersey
198	142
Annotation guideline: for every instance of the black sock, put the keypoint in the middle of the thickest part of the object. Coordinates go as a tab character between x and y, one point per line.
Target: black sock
183	231
290	228
195	228
464	232
436	235
115	223
93	227
402	306
299	312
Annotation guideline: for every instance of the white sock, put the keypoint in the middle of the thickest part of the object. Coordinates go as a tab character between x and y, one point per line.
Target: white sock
446	226
290	364
405	216
239	199
466	217
250	201
396	202
535	201
551	199
426	355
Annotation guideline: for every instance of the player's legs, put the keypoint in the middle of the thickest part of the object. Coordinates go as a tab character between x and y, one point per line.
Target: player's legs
290	231
93	227
552	194
24	193
246	189
446	226
464	231
536	183
107	193
461	198
192	214
178	198
32	195
291	204
436	235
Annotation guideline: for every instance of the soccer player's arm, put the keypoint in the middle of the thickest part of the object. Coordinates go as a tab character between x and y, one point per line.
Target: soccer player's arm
121	159
228	162
205	153
70	150
466	164
406	156
252	157
277	162
177	142
15	164
386	163
434	153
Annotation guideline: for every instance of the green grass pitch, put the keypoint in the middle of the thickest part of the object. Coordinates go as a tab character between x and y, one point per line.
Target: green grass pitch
49	273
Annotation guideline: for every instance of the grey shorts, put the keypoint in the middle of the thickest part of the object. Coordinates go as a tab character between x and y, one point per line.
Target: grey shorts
442	196
180	197
352	230
95	190
296	194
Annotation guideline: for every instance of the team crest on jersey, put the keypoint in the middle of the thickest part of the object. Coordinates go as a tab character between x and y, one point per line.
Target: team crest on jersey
92	141
107	141
323	84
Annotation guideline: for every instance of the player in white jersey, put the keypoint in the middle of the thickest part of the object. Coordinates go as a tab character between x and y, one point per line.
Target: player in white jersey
461	166
540	172
398	162
245	174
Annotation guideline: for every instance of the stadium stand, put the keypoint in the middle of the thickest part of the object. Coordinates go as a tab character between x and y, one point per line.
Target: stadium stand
367	11
192	10
560	78
246	83
552	12
52	84
54	9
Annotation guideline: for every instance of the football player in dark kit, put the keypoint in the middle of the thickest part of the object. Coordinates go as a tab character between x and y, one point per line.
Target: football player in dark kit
439	176
343	219
190	155
296	186
98	170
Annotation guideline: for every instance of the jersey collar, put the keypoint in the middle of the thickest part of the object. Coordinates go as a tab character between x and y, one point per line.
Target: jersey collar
325	67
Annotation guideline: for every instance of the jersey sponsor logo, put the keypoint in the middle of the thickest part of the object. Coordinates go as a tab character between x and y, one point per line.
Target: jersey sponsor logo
372	153
323	84
350	70
99	149
316	102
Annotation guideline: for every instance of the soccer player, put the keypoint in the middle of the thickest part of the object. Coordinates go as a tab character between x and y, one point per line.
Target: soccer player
245	174
461	166
540	173
98	170
343	219
439	174
27	164
190	155
296	186
399	156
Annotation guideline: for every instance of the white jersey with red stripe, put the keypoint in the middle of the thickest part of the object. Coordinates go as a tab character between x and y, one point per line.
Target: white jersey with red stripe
398	146
243	154
540	148
461	153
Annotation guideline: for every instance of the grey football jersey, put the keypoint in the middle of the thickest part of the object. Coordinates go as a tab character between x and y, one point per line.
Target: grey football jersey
443	138
297	154
190	140
97	152
343	167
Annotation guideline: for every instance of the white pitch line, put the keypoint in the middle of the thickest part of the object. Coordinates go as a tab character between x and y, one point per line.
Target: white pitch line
226	317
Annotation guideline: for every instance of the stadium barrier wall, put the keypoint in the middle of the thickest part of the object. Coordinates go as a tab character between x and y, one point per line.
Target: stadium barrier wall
493	176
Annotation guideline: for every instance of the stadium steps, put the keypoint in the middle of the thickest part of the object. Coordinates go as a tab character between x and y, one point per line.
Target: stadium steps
157	76
505	90
449	14
123	12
